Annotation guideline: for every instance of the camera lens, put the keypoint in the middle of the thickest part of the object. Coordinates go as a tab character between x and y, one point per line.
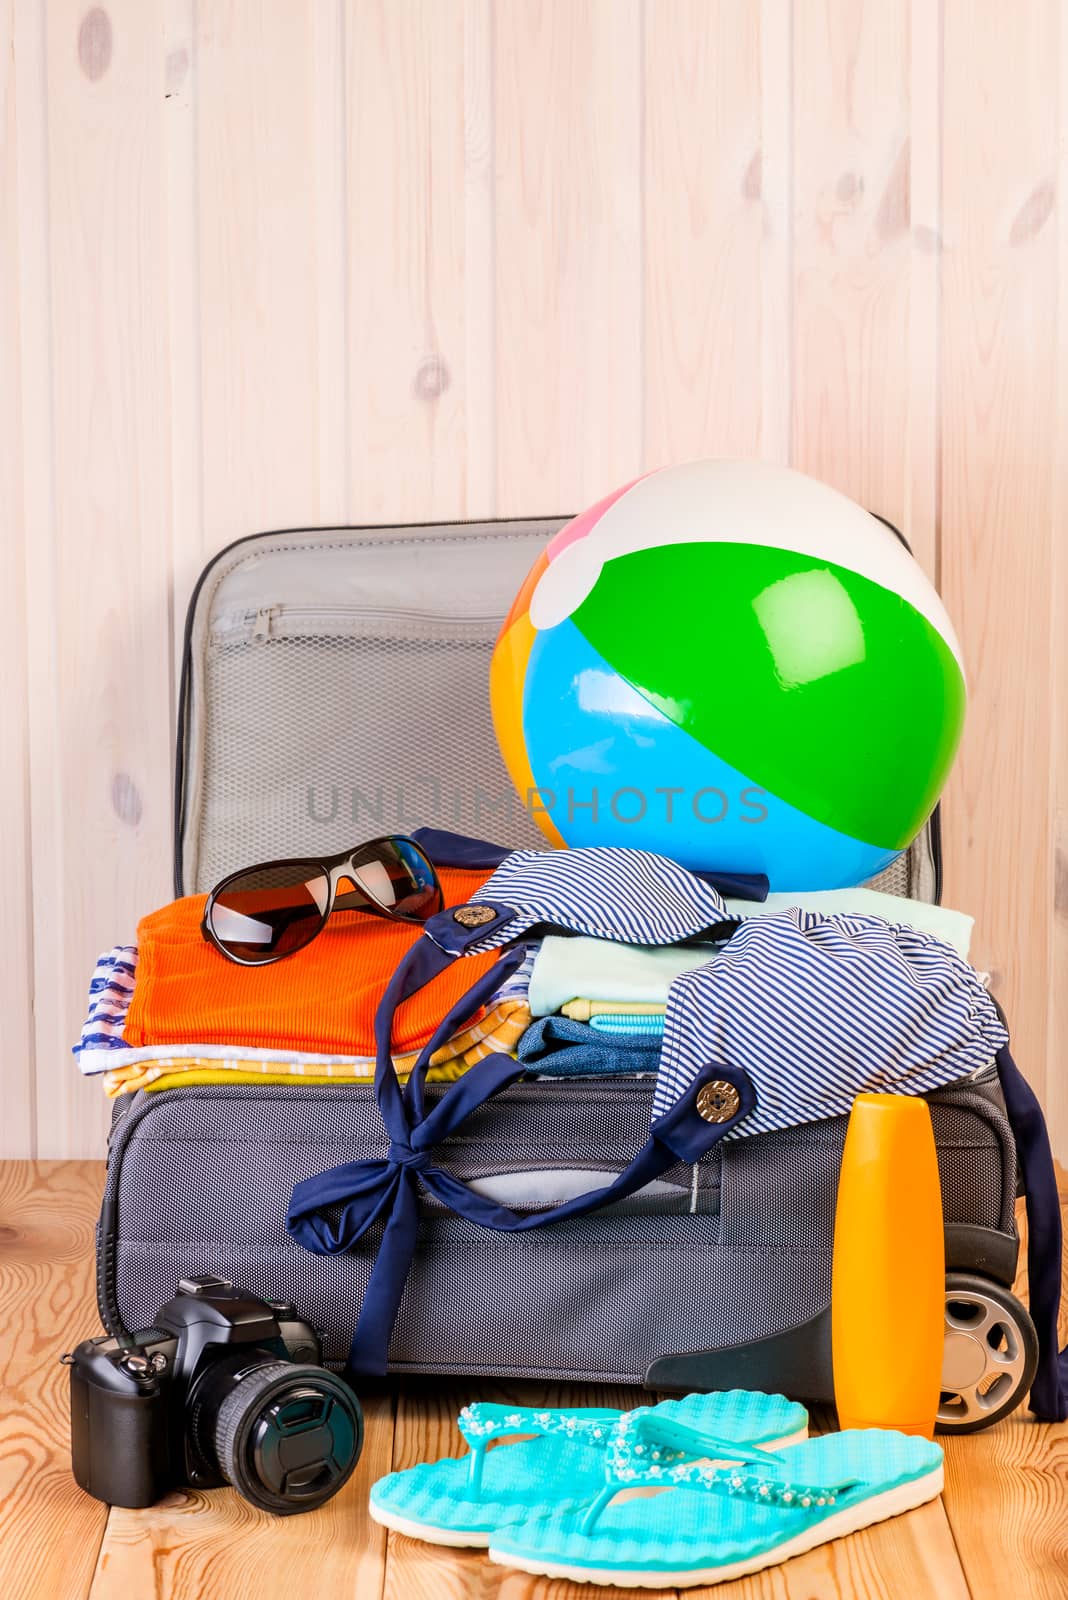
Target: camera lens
287	1436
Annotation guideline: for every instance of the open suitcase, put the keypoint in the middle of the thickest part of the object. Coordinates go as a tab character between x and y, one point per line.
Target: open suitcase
334	687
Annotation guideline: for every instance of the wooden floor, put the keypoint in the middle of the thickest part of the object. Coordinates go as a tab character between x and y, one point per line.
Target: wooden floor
1001	1528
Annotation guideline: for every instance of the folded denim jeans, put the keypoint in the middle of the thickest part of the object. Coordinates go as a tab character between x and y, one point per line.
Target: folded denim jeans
559	1047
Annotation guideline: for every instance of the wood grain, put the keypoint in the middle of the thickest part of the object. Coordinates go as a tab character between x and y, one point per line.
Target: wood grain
49	1530
258	275
997	1528
99	656
912	1555
1006	1488
18	1132
999	270
186	359
703	231
776	259
567	94
326	20
923	204
407	237
480	350
851	249
1056	1099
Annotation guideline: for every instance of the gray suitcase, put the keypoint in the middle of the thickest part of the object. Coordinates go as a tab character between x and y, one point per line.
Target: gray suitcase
333	687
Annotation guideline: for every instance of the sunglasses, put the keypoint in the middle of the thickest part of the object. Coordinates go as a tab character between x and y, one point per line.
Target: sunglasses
265	913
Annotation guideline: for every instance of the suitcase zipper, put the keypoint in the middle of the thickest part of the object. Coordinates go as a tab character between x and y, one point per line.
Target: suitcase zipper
259	625
262	619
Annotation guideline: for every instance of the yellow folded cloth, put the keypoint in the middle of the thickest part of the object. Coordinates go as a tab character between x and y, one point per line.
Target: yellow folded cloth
185	1074
499	1030
583	1010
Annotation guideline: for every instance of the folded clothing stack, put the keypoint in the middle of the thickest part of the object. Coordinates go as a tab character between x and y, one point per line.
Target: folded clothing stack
170	1012
598	1007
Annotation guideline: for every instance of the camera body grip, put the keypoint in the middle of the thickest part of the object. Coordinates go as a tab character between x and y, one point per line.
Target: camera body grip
118	1431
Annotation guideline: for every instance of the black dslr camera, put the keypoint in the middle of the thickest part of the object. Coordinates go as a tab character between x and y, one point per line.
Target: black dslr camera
225	1389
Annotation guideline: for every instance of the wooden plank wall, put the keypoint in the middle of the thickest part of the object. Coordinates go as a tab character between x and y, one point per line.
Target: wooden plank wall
277	261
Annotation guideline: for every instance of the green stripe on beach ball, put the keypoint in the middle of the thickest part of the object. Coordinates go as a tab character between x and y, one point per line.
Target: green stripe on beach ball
827	689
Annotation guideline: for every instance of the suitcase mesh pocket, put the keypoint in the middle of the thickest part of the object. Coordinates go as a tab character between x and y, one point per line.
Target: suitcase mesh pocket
319	782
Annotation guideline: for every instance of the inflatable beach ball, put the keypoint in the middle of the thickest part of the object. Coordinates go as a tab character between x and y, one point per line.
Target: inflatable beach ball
737	666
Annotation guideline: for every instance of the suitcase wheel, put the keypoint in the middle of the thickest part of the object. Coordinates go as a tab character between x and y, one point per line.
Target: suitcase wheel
991	1352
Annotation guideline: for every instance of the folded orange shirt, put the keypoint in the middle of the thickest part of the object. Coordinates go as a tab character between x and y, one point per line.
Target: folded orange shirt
321	999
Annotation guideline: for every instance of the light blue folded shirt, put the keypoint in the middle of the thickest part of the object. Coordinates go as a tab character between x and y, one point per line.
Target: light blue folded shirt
600	969
955	927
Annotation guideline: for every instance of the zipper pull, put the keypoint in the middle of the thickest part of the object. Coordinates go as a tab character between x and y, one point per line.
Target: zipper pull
261	628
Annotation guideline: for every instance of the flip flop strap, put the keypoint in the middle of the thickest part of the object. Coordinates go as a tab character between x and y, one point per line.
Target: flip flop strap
483	1421
650	1450
660	1437
734	1482
645	1434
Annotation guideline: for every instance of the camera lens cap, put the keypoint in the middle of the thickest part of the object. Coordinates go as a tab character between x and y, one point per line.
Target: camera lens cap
288	1436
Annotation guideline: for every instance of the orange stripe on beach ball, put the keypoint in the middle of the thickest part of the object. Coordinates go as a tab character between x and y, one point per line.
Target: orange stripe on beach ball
508	671
521	604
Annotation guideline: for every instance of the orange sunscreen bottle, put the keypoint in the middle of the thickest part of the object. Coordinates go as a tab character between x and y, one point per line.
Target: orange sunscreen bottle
888	1282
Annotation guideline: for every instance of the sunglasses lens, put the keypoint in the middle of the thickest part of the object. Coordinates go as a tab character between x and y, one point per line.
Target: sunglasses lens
397	876
270	911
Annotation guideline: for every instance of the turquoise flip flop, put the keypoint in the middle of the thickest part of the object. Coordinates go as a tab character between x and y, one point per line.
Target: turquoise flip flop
466	1501
711	1522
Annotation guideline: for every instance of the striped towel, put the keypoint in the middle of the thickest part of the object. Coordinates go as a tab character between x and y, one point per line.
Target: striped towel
110	989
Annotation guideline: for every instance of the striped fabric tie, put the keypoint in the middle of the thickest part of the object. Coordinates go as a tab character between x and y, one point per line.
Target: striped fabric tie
819	1009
